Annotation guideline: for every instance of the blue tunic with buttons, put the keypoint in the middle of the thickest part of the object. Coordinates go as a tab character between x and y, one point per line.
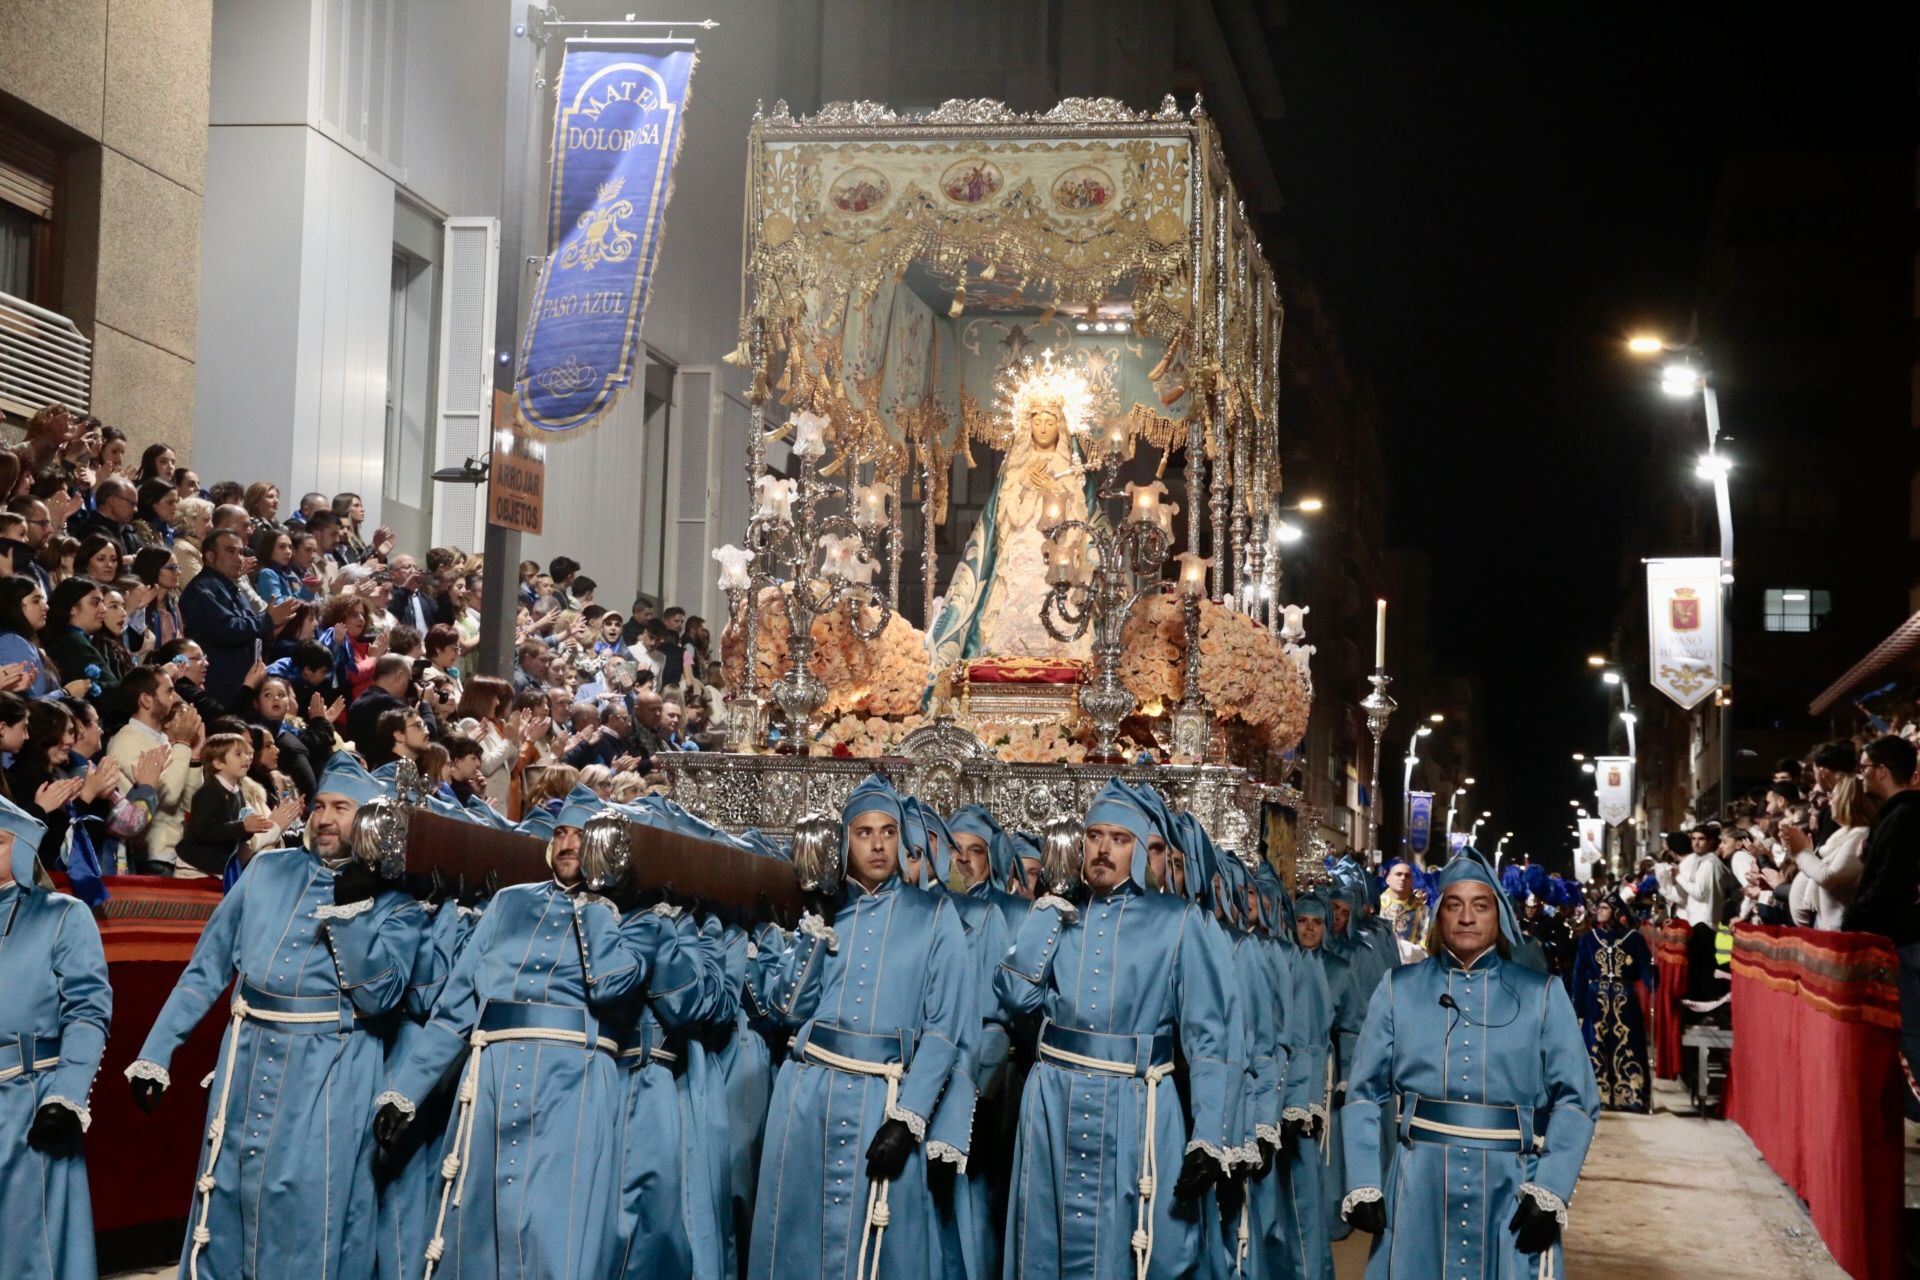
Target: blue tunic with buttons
1512	1043
895	965
538	1188
670	1171
970	1244
292	1191
410	1174
1297	1244
1128	963
54	1009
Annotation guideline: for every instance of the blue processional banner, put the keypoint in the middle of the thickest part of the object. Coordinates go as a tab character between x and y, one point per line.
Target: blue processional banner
616	132
1419	822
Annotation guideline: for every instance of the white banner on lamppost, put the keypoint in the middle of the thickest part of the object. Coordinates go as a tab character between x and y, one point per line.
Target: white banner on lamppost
1613	788
1592	850
1683	624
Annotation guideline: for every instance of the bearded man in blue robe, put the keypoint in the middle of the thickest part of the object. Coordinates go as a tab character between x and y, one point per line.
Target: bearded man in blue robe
319	951
1121	978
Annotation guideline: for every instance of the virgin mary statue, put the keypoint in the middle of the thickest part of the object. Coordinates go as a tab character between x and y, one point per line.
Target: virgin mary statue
993	601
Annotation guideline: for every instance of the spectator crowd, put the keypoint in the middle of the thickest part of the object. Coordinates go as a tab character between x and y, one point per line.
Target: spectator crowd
178	661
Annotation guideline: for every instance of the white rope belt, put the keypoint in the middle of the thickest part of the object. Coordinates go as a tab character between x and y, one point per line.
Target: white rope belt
1468	1131
453	1169
875	1225
666	1056
39	1064
217	1114
1149	1151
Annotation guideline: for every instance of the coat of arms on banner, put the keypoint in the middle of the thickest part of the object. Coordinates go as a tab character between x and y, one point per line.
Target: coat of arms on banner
1683	609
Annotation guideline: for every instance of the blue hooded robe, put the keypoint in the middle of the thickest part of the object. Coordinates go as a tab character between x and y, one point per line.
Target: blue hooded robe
880	1002
1120	981
530	1171
55	1005
286	1186
1505	1062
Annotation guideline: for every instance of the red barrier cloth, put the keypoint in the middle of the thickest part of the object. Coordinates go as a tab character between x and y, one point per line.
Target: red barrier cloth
141	1168
1815	1081
1669	943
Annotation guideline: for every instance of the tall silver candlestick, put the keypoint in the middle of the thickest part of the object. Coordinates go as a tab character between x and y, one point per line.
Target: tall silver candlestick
1378	707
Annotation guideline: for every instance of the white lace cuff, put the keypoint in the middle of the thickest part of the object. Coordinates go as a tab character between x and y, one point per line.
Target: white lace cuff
949	1153
1546	1200
1226	1156
666	909
86	1117
1247	1154
1066	909
399	1100
1270	1132
141	1069
753	952
1302	1114
1360	1195
814	927
917	1125
333	911
1318	1111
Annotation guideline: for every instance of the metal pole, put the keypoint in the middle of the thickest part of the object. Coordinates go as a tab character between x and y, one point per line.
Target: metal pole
520	149
1725	512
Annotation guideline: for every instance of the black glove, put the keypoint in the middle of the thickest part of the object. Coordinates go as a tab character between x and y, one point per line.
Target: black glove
389	1122
1536	1229
1291	1132
887	1153
146	1094
1369	1216
1269	1152
1197	1172
55	1128
1232	1192
355	882
1315	1126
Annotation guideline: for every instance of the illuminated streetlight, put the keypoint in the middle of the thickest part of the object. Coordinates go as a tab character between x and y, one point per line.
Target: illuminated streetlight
1611	677
1713	467
1579	755
1286	533
1311	505
1646	344
1596	660
1587	767
1627	717
1440	718
1680	380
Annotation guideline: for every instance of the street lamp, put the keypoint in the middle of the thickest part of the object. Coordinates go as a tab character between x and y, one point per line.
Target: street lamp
1438	717
1586	766
1453	803
1687	376
1596	660
1579	755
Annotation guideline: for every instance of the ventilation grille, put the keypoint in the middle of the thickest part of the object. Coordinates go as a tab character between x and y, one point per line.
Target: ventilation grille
44	359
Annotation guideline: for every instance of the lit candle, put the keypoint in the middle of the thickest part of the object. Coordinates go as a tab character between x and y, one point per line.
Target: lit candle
1059	565
1055	513
1146	498
776	498
870	504
1380	636
733	567
1193	574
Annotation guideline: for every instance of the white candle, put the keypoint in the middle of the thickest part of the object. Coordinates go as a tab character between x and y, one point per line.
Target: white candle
1380	636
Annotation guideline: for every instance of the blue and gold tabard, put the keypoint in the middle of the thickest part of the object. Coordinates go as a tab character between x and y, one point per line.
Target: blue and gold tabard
616	133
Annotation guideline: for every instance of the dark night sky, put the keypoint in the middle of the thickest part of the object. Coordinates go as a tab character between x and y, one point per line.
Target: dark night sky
1490	197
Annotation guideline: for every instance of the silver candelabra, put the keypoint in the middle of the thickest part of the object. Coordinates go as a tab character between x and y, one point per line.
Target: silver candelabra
1123	568
1378	707
819	562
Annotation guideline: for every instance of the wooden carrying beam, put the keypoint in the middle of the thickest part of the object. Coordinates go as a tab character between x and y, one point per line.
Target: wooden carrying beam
688	867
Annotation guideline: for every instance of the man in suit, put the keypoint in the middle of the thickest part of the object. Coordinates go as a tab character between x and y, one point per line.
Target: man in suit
114	504
214	613
411	604
392	678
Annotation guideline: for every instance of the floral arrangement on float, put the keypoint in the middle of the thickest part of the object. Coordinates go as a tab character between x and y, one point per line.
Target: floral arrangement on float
884	676
1246	672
